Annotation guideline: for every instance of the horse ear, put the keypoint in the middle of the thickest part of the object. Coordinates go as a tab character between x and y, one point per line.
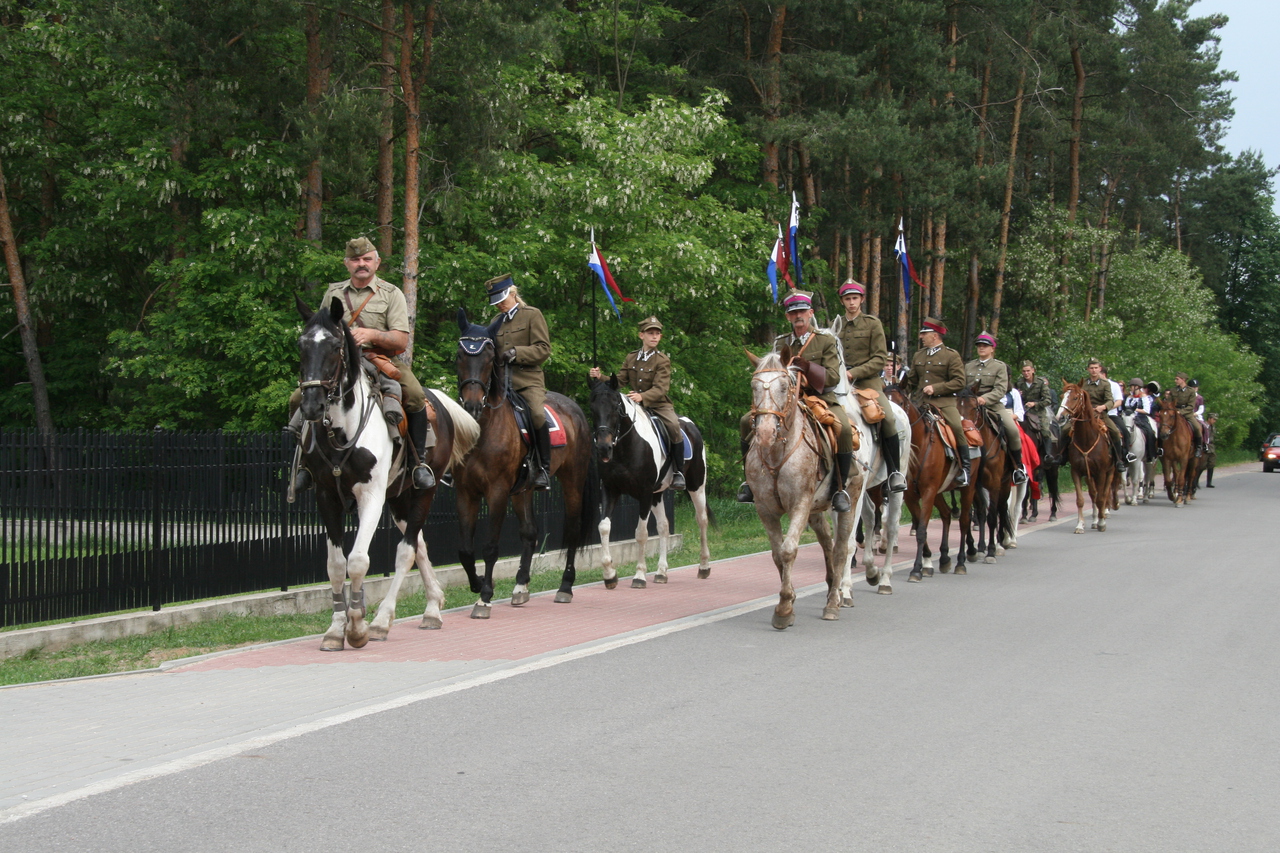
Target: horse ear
752	357
613	381
303	308
785	354
335	310
463	322
495	326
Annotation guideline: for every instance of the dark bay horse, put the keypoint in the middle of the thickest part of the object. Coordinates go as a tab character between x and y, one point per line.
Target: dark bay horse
1088	451
346	444
1179	461
1046	473
930	476
992	476
493	470
631	462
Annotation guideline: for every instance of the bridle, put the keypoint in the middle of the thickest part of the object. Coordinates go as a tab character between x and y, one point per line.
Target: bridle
474	345
334	389
620	413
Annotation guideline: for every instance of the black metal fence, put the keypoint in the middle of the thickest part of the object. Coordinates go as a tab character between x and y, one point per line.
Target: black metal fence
95	522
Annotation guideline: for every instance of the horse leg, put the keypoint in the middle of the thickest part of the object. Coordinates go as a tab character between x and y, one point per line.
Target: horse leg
523	506
370	511
497	499
573	475
605	527
699	498
642	545
944	546
406	551
664	539
893	510
821	525
784	554
1075	478
468	506
1107	491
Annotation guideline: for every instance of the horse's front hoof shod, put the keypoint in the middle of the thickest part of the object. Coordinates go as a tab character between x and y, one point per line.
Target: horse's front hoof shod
914	577
638	583
378	634
830	614
431	623
659	578
610	583
703	574
481	610
846	600
872	578
989	560
519	598
885	589
781	622
563	597
332	644
961	570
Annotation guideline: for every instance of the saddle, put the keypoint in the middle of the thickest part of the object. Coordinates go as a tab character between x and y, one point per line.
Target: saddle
664	442
555	426
387	391
820	413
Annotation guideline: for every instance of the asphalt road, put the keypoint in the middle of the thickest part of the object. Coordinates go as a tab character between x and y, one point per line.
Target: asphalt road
1096	692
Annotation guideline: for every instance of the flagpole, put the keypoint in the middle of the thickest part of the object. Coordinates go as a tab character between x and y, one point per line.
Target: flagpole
595	362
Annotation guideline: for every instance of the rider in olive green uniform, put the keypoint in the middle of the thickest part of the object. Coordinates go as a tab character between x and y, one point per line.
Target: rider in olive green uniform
1036	398
936	376
1184	399
811	346
525	342
647	373
991	376
381	326
1104	402
862	339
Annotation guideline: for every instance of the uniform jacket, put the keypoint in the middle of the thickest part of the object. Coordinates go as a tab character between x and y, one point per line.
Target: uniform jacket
527	333
386	311
1184	399
943	369
821	350
991	377
1036	391
651	379
1099	393
864	350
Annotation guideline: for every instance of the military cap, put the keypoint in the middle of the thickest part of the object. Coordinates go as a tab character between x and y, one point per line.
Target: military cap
985	339
1181	375
1028	363
1093	361
650	323
932	324
797	300
497	287
1135	382
1211	416
360	246
852	286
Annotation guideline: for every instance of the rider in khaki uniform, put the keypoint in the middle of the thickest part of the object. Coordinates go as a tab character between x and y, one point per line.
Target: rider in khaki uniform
862	339
1104	402
381	327
524	341
647	373
1036	399
811	346
937	375
1184	400
991	376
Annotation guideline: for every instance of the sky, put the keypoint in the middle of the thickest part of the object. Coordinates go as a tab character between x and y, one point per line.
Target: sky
1248	48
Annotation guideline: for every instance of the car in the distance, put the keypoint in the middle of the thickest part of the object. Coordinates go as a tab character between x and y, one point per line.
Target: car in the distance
1270	454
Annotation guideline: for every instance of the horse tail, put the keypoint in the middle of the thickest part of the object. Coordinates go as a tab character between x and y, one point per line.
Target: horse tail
466	432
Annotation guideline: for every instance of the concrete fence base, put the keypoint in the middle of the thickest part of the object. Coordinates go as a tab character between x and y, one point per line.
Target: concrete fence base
310	599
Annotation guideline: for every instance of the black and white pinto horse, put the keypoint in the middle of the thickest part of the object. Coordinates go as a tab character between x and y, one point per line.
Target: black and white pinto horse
347	446
631	461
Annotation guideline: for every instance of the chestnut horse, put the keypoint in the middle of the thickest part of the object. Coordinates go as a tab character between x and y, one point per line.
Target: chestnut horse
1089	455
993	475
1179	461
492	470
345	443
784	469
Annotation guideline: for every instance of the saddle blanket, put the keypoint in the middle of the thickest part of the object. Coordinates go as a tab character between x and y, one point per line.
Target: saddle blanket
661	431
554	427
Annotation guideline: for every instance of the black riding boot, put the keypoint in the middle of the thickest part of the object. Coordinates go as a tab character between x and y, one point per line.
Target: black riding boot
419	429
677	467
301	480
542	473
744	491
839	497
1019	471
1120	454
889	446
963	454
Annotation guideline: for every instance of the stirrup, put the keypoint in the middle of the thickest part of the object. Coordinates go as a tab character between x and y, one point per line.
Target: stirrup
541	479
1019	476
423	479
302	480
897	482
840	501
677	481
744	494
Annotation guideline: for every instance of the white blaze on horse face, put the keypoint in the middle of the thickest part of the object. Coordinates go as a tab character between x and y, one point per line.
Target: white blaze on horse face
320	335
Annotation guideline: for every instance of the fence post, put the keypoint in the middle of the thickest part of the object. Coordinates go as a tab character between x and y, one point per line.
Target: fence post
285	555
157	529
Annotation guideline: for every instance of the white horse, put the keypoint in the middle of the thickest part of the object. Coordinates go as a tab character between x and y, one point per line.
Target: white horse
1138	479
870	460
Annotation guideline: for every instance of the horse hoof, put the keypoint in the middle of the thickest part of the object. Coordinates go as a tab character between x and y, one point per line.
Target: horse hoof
359	641
518	598
1079	530
928	572
846	601
961	570
885	589
1053	516
378	634
563	597
610	583
481	610
638	583
703	574
1010	546
830	614
332	644
782	623
1102	527
430	623
988	560
659	578
872	580
914	577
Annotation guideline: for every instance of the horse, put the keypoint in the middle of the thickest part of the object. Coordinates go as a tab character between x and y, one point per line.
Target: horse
345	443
1088	453
1179	460
870	459
931	475
993	479
1047	472
493	470
631	461
784	468
1019	495
1138	480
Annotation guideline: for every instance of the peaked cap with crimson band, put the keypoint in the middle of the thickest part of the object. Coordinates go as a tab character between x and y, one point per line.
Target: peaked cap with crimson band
797	300
932	324
985	338
852	286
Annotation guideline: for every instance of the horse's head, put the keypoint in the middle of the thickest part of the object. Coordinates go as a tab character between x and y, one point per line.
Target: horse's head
1168	416
609	414
329	358
478	365
774	390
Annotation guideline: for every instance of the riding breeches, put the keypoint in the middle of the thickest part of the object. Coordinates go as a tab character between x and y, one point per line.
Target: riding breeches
535	394
1011	430
1113	428
666	413
946	406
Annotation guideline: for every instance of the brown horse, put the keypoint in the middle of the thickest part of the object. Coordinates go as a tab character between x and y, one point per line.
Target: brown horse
993	475
493	469
930	476
784	469
1179	461
1089	454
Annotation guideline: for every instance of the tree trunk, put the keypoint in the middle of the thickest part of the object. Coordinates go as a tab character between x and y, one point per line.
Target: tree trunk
26	330
997	294
411	87
971	307
873	278
384	202
939	264
1077	119
771	97
317	79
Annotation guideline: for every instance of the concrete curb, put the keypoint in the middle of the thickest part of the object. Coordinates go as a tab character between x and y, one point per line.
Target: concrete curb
310	599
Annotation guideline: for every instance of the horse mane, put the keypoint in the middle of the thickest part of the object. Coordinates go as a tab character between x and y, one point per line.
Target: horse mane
466	431
770	361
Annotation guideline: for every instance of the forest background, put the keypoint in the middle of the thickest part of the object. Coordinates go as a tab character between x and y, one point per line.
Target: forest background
174	172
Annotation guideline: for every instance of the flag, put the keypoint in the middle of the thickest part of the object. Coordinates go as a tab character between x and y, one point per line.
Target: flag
908	271
778	261
597	263
795	252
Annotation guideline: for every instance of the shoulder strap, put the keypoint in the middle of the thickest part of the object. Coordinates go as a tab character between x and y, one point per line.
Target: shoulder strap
355	312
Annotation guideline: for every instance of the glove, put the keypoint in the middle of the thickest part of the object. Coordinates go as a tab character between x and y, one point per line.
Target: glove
509	355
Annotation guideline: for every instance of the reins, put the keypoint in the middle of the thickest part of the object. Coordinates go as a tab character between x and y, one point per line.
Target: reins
335	388
792	403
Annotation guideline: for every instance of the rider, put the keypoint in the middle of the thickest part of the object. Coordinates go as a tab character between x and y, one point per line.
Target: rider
937	373
1184	400
865	353
991	376
1210	455
1142	405
524	341
1104	403
378	315
1036	399
811	347
648	373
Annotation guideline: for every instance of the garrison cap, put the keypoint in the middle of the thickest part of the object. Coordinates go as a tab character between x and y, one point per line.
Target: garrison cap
360	246
498	286
797	300
852	286
1093	361
1028	363
1181	375
650	323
